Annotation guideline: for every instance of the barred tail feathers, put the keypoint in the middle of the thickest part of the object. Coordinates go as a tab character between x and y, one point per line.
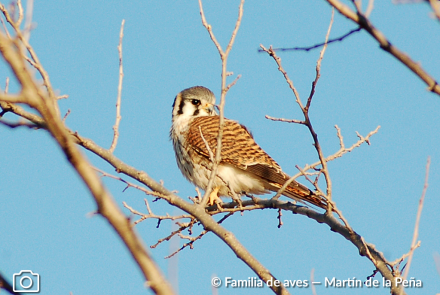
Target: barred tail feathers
300	193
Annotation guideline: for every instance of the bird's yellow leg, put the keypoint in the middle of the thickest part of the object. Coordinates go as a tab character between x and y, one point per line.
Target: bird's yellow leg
213	196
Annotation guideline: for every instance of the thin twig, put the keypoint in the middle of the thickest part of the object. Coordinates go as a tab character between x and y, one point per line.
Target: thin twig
62	96
272	53
339	39
305	111
173	233
284	120
322	159
28	20
280	221
332	157
224	89
20	13
395	264
151	215
419	213
20	123
194	239
369	8
118	100
24	37
211	155
318	64
190	243
4	25
129	184
65	116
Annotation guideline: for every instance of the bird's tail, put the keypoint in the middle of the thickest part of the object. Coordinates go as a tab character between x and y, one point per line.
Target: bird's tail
302	194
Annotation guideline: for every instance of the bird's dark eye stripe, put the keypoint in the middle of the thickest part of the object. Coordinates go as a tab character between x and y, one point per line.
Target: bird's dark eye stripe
195	102
181	105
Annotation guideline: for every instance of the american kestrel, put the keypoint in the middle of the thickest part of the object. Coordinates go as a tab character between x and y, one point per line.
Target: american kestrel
244	168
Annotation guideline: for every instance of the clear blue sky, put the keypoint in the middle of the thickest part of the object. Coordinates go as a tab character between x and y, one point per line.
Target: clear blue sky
44	218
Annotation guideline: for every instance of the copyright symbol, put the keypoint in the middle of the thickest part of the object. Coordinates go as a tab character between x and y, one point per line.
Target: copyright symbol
216	282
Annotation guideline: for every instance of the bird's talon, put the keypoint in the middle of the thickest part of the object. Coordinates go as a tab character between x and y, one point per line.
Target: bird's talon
213	197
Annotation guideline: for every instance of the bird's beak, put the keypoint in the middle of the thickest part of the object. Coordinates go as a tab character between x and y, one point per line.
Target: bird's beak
209	108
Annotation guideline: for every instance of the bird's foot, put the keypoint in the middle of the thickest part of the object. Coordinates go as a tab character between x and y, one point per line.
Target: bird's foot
213	197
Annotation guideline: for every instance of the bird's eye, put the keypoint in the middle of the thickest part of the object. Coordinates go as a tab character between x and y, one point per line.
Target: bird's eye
195	102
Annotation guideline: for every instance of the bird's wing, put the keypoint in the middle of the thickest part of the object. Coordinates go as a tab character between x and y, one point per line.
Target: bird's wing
240	150
238	146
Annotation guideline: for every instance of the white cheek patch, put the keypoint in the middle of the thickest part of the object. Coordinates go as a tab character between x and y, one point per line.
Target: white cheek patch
186	110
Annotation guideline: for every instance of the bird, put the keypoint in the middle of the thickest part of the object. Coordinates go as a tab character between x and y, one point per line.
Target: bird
244	169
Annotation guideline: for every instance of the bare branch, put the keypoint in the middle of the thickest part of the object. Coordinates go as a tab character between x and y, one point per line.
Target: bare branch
344	150
234	33
13	98
369	8
386	45
211	155
62	97
332	157
419	214
19	111
20	123
4	25
35	62
318	64
338	39
398	261
280	222
45	104
129	184
307	121
272	53
209	29
6	85
224	89
66	115
233	83
20	13
151	215
118	100
176	232
365	249
192	240
189	244
285	120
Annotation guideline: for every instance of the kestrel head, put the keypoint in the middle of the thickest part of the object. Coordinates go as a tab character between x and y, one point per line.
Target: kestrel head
196	101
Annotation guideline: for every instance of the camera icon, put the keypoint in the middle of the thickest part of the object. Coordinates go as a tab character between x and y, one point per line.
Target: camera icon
26	281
